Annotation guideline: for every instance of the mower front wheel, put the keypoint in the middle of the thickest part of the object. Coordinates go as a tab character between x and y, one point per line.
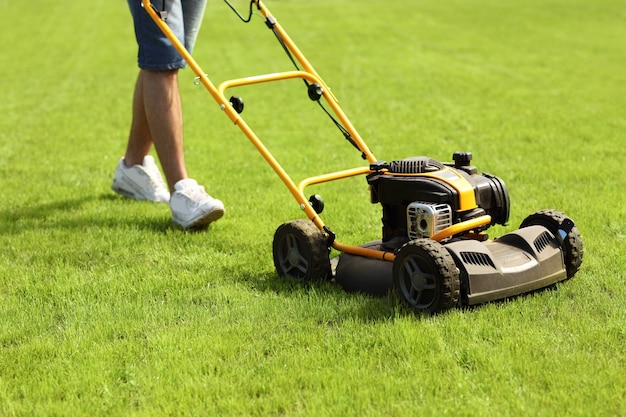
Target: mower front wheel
426	277
300	251
572	245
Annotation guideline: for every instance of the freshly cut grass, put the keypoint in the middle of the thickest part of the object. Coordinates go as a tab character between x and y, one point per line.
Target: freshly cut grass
107	310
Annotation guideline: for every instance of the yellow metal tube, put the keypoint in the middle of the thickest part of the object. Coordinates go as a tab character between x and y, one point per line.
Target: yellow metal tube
332	176
332	101
368	253
465	226
233	115
278	76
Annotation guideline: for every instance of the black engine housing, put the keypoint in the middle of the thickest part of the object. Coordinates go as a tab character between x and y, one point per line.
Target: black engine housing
393	185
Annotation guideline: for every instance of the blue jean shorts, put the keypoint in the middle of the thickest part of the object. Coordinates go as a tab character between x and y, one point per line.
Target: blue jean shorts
156	52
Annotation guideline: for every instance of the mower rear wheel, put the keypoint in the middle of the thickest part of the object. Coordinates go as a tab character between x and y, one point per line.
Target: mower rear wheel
300	251
425	276
572	242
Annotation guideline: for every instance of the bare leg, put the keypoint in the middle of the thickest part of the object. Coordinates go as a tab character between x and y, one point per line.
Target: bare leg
157	118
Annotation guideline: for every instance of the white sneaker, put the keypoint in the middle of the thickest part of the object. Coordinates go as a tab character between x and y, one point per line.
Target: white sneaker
141	182
192	207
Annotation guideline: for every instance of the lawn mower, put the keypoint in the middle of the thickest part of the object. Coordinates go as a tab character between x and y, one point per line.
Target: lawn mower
433	251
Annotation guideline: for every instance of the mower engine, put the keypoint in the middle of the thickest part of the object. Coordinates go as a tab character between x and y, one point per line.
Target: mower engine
421	196
435	269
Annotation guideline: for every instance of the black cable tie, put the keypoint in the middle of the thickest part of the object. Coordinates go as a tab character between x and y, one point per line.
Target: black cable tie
163	13
331	235
270	22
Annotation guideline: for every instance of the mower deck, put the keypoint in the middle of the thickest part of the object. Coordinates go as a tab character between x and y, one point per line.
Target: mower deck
525	260
522	261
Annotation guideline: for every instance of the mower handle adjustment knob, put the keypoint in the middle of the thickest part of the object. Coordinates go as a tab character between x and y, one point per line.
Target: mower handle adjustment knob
317	202
237	103
315	91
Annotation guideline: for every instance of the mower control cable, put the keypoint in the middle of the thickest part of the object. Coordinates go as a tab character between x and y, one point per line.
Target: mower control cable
270	22
234	9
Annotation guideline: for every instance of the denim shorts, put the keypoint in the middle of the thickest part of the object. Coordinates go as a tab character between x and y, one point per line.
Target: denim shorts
156	52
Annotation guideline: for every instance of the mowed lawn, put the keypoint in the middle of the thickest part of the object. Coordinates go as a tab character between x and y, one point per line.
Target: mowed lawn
105	309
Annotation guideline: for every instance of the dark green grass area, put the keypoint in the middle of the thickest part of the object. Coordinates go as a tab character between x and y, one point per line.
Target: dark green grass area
107	310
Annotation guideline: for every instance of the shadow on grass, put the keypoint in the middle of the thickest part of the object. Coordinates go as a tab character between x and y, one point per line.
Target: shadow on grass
77	214
357	306
552	288
369	308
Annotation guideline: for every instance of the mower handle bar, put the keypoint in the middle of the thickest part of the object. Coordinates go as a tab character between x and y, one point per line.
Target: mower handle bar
308	74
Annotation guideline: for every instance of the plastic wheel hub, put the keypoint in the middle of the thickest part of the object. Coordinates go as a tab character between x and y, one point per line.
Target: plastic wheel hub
293	254
420	281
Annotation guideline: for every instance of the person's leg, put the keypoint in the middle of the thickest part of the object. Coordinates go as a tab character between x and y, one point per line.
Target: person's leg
157	111
137	176
193	13
158	120
139	138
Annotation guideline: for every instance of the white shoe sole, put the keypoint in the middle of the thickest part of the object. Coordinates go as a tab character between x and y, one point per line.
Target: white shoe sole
125	185
201	220
128	189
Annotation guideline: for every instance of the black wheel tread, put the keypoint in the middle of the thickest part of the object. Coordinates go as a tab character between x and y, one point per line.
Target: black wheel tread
314	240
448	273
572	245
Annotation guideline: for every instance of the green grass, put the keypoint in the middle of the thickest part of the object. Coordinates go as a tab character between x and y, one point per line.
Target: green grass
106	310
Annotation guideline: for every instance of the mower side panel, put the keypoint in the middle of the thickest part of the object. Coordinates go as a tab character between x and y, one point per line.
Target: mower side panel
525	260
